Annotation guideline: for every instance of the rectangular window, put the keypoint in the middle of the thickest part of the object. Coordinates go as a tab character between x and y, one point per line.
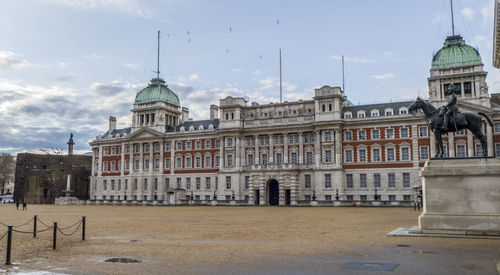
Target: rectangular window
112	184
167	183
198	162
250	141
135	184
217	143
307	197
167	163
406	180
113	150
362	181
179	145
179	162
208	161
404	133
405	153
349	181
348	155
179	183
328	136
424	153
264	159
229	160
137	163
208	144
217	161
348	136
375	134
189	145
278	139
328	197
307	181
293	156
349	197
363	197
104	185
198	144
198	183
229	142
250	160
461	151
497	127
392	197
127	164
145	184
167	146
146	148
228	197
207	197
376	180
157	147
247	182
362	155
137	148
127	149
422	131
157	163
113	166
146	164
361	135
309	157
156	184
407	197
328	181
188	183
119	185
391	178
389	133
390	154
279	158
479	150
188	162
328	156
497	150
105	166
376	154
105	151
228	182
208	182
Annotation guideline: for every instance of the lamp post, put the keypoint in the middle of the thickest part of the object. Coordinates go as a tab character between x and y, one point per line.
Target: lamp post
376	195
215	196
314	195
337	195
233	197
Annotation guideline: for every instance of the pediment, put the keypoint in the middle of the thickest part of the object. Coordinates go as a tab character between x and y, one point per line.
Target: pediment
145	133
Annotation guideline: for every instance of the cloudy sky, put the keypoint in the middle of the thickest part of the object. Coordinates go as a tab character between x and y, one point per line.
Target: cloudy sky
67	65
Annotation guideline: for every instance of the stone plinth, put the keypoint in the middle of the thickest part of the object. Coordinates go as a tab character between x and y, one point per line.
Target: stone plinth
232	202
314	203
67	201
213	202
461	196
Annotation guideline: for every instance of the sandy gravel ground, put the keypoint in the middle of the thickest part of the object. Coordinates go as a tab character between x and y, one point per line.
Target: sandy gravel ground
254	240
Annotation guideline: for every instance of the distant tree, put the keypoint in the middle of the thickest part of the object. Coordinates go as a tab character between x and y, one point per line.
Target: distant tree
7	170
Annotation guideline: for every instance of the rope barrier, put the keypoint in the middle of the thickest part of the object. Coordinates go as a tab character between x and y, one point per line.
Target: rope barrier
22	232
1	238
67	235
43	223
46	229
70	225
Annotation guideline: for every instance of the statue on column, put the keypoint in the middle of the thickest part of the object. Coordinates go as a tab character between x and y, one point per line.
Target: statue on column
448	119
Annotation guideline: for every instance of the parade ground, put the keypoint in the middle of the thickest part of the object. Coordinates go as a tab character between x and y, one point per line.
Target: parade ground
236	240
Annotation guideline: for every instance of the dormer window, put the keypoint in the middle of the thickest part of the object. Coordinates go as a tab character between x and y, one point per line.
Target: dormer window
182	129
348	115
389	112
361	114
210	127
191	128
374	113
201	128
403	111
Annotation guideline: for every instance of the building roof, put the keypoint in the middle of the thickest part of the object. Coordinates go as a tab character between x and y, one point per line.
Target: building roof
378	106
117	133
455	53
157	90
194	125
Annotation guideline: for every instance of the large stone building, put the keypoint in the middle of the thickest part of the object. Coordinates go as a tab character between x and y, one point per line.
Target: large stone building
322	151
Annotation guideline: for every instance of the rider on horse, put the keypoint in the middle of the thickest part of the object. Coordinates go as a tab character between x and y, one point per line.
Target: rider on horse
450	108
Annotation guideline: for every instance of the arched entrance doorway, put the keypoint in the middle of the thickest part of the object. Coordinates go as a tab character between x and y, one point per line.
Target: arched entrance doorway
274	192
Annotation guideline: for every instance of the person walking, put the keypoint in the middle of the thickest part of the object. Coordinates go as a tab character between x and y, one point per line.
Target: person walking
24	206
17	205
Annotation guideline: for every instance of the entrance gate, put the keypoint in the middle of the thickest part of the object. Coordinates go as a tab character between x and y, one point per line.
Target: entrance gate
274	192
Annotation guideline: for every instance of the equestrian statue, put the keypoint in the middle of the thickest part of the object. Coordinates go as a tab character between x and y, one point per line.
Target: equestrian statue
448	119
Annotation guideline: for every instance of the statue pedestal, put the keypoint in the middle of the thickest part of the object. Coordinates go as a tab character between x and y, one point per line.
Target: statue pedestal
67	199
314	203
213	202
461	196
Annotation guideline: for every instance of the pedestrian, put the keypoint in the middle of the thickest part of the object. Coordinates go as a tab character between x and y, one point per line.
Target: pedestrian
24	206
17	205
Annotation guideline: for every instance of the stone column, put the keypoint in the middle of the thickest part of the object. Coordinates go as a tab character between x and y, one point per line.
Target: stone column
131	159
256	156
338	148
282	187
151	159
93	162
162	156
263	197
301	148
294	190
172	158
238	152
99	166
141	158
451	144
221	154
414	145
122	160
271	151
489	140
470	144
317	148
251	191
285	148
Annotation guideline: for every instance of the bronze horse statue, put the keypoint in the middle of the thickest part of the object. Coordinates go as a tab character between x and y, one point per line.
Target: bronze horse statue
463	120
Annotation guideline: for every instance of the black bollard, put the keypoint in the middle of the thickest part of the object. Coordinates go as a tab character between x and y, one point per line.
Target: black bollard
83	228
34	226
54	237
9	244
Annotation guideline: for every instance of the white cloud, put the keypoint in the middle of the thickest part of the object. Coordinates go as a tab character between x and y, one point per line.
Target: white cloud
194	76
272	83
236	70
256	72
383	76
467	13
92	56
131	66
128	7
488	12
10	60
353	59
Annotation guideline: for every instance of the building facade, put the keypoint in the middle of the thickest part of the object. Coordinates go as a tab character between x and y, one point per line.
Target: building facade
322	151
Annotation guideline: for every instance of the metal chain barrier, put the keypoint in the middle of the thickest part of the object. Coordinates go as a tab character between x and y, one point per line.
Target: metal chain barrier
70	225
22	232
43	230
1	238
43	223
67	235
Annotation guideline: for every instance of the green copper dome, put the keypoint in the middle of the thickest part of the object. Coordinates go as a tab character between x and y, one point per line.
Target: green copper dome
157	90
455	53
347	102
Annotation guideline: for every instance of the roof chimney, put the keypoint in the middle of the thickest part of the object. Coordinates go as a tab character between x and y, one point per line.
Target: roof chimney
185	114
112	124
214	112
